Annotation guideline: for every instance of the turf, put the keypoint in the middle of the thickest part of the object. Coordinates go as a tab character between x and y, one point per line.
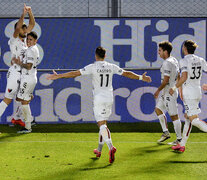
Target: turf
67	155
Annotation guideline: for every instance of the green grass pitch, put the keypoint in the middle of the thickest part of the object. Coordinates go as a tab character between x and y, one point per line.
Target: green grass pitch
47	155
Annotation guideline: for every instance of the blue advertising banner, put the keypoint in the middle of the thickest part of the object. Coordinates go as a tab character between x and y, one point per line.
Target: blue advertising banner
130	43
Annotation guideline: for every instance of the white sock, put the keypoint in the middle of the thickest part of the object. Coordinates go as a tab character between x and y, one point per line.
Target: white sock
18	113
177	128
186	132
105	133
163	122
100	143
3	106
27	116
200	124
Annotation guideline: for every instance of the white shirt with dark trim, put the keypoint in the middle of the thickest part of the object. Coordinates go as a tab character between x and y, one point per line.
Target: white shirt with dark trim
194	66
31	56
18	48
170	67
102	74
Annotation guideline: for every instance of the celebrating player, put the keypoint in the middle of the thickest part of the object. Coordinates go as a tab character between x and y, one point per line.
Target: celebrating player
28	78
102	73
18	46
191	68
169	75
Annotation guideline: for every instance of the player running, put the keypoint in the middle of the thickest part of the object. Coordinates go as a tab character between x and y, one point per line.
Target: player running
191	68
102	73
169	76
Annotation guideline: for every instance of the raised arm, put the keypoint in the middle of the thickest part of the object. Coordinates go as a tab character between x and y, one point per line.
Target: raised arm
31	19
20	22
132	75
71	74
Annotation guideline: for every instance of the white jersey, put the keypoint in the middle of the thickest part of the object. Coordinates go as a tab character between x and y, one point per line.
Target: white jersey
170	67
102	73
31	56
194	66
18	49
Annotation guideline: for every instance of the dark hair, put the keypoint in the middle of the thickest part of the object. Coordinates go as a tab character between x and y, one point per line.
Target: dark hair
33	34
100	52
190	46
166	46
23	25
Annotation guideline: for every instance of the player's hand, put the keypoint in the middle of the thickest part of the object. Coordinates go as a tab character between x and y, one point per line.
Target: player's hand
25	9
16	60
53	76
156	94
171	91
204	87
146	78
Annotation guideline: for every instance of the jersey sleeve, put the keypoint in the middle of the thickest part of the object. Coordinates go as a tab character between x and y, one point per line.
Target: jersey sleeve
183	66
11	44
117	70
30	56
204	65
167	68
87	70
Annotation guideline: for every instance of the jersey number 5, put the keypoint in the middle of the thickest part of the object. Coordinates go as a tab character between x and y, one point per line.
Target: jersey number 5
196	72
107	80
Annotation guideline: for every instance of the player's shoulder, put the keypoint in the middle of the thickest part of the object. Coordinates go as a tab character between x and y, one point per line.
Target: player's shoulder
34	49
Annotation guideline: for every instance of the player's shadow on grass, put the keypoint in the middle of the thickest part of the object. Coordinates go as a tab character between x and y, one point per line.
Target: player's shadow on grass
149	149
91	166
188	162
8	136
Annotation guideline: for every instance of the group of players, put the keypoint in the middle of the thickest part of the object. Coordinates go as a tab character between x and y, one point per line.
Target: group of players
188	85
22	75
21	80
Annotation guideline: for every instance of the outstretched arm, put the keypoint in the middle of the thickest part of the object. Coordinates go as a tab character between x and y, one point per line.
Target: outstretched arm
71	74
132	75
20	22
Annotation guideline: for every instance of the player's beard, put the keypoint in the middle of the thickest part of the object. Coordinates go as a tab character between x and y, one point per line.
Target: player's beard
22	35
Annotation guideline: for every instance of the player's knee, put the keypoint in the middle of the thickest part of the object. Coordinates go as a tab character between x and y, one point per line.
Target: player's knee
158	111
7	100
174	117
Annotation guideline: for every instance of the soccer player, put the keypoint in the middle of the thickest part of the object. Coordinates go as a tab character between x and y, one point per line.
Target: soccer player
102	73
191	68
169	75
28	78
18	46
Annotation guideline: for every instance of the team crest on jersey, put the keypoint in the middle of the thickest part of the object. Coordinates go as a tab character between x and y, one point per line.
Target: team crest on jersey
9	90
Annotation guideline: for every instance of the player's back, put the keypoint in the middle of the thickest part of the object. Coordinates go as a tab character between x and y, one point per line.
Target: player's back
102	74
195	65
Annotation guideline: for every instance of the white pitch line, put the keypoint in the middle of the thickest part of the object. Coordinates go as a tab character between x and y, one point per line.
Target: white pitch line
139	142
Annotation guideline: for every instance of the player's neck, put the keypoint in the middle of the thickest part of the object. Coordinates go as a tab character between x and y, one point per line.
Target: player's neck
22	39
166	57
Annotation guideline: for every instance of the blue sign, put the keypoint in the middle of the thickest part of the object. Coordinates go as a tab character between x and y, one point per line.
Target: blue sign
68	43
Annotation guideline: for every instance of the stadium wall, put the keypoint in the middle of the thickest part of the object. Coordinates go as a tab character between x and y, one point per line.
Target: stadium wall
69	43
